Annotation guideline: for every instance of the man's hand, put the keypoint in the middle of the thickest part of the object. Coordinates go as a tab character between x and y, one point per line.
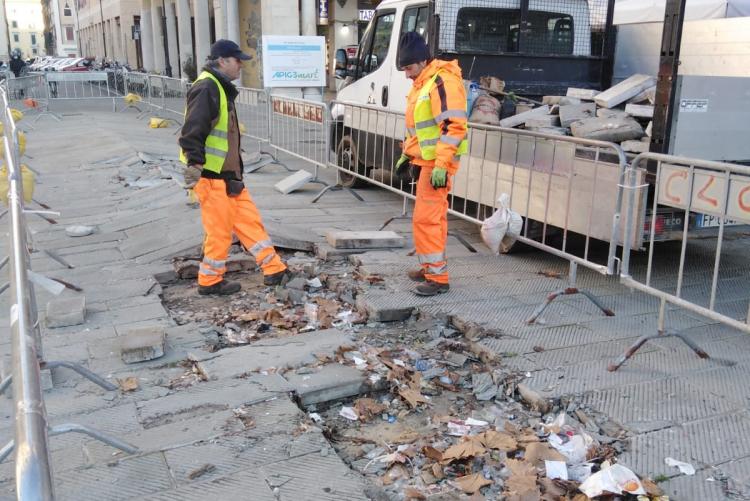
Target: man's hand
192	174
403	168
439	177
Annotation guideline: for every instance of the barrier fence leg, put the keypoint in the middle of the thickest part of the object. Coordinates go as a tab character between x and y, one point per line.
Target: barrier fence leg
570	290
661	334
335	187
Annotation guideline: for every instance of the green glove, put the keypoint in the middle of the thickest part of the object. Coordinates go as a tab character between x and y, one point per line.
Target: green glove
439	177
402	168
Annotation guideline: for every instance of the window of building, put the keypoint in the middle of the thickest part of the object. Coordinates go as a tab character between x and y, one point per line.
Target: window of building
33	39
34	51
14	24
69	34
66	10
15	37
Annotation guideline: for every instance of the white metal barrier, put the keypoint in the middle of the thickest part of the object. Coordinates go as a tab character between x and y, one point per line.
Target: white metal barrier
571	187
701	188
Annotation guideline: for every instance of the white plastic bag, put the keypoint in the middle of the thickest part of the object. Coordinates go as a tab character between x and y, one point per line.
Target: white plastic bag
499	231
616	479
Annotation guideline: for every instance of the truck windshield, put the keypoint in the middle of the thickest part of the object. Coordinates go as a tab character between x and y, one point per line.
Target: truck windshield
497	30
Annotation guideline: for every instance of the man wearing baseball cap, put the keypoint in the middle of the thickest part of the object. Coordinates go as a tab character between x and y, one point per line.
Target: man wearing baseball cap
210	150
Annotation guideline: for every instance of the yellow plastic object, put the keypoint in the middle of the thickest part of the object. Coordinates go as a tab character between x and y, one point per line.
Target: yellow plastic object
158	123
27	175
131	99
16	114
242	128
191	196
21	142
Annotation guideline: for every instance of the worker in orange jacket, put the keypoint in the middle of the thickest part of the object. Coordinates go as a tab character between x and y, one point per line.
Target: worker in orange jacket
210	150
436	126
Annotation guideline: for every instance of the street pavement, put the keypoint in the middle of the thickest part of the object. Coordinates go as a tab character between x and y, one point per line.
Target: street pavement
196	442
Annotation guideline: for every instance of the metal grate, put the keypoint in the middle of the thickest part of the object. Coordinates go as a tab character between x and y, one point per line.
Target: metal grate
533	27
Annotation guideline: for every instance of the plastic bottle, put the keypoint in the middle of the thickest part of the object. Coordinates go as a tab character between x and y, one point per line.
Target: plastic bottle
471	96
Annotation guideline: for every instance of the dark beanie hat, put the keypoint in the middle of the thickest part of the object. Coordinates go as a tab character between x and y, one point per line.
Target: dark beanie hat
412	49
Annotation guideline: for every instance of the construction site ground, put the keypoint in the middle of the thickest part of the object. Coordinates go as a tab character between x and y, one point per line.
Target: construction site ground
250	399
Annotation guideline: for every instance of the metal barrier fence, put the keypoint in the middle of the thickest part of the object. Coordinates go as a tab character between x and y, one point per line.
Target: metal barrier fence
568	186
300	128
32	429
701	188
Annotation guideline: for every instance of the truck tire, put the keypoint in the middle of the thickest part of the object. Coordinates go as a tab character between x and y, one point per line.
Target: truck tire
347	159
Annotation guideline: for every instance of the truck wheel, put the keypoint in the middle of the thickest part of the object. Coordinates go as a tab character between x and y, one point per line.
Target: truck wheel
347	159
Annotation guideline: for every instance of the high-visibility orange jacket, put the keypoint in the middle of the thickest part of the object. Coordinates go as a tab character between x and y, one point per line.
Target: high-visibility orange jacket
448	99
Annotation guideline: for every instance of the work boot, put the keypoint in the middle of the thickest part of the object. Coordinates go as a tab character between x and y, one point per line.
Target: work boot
279	278
430	288
222	288
417	275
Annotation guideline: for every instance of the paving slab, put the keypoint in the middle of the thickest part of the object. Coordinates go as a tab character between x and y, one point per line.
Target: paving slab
364	239
142	344
624	90
331	382
279	353
294	182
66	312
521	118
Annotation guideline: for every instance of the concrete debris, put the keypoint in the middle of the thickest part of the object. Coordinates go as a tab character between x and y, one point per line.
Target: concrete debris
66	312
574	113
543	121
582	94
520	118
607	113
640	110
624	90
635	146
294	182
142	344
614	130
647	96
79	230
650	129
364	239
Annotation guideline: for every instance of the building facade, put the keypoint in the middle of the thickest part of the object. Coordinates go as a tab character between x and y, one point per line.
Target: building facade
171	36
61	28
25	27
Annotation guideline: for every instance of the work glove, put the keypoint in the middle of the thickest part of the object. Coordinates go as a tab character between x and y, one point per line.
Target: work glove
439	177
403	168
192	174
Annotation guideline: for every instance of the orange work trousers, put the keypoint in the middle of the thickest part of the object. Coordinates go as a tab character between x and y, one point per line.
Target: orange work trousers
430	227
223	215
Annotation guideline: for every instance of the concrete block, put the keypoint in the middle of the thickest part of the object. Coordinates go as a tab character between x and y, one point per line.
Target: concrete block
574	113
582	94
543	121
615	130
624	90
647	96
640	110
293	182
650	129
65	312
364	239
521	118
635	146
142	344
293	238
332	382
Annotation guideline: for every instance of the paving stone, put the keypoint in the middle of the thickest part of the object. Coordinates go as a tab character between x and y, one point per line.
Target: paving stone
364	239
327	252
290	237
331	382
289	352
140	345
703	486
66	312
294	182
635	146
521	118
543	121
623	91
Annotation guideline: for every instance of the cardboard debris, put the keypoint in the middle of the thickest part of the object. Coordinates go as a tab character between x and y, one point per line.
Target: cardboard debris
368	408
128	384
538	452
521	485
498	440
413	397
469	448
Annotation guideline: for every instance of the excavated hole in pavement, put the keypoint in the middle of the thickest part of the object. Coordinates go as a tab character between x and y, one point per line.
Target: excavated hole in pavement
389	440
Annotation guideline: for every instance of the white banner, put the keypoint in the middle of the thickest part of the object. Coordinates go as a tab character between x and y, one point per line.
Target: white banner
294	61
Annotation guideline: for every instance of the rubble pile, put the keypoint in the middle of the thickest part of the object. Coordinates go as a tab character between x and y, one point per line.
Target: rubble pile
438	416
621	114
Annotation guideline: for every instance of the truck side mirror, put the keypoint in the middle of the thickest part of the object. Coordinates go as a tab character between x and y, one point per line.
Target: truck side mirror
341	59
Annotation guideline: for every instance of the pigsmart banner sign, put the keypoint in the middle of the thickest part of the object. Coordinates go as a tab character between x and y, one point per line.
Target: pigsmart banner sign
294	61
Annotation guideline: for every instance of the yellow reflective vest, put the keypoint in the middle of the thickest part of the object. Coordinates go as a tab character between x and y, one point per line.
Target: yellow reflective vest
217	142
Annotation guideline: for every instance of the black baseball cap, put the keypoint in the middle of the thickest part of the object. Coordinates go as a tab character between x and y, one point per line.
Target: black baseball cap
227	48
